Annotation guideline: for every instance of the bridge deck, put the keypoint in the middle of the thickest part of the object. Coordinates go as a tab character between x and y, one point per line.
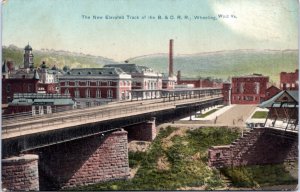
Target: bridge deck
91	115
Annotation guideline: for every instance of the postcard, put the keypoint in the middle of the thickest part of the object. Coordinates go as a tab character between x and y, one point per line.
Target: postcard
149	95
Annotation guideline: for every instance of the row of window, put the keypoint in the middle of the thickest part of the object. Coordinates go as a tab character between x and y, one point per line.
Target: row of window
88	83
109	93
98	83
29	88
283	85
245	98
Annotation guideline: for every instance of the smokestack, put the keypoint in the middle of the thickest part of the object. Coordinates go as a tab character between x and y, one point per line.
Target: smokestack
171	58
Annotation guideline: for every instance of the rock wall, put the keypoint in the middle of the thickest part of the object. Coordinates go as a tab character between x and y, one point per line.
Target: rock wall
257	147
20	173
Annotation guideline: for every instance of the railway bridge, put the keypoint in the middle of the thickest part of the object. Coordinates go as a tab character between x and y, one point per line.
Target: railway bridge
85	146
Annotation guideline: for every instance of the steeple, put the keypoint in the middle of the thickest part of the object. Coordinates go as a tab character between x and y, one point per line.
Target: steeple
28	57
36	75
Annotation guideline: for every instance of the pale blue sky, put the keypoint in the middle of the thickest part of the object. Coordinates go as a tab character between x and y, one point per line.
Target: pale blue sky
58	24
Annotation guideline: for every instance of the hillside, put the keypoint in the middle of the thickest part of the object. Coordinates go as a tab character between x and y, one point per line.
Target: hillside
223	64
53	57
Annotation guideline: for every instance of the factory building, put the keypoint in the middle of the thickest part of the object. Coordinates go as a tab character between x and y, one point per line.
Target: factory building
250	89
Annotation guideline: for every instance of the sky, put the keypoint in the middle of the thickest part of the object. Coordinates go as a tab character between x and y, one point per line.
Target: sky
69	25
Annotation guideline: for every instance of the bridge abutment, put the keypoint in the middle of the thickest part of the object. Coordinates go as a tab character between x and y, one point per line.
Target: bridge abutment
259	146
85	161
20	173
144	131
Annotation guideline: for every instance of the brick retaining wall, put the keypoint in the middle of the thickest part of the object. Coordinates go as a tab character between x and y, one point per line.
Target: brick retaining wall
86	161
259	146
20	173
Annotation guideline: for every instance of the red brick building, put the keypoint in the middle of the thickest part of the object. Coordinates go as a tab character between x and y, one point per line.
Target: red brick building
95	86
249	89
28	83
289	81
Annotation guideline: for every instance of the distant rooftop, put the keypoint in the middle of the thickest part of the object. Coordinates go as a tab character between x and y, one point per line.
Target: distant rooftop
251	75
131	68
108	71
272	102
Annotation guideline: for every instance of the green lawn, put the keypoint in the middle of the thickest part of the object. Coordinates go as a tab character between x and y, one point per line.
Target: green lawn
260	115
207	113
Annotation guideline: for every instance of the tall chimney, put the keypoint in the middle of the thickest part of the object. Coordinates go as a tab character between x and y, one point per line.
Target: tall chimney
171	58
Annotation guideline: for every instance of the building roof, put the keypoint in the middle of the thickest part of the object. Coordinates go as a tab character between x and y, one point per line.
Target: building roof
28	47
107	71
23	74
251	76
36	75
27	99
4	67
274	87
275	102
130	68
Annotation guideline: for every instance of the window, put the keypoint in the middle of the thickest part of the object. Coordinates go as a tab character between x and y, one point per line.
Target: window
66	91
98	93
241	87
77	93
8	88
30	88
293	85
109	93
257	86
87	93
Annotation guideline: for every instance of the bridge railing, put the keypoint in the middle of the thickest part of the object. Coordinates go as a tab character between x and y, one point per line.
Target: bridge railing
73	119
168	96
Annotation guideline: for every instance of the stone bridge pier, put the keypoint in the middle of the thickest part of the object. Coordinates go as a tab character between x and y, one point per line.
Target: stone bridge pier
70	164
143	131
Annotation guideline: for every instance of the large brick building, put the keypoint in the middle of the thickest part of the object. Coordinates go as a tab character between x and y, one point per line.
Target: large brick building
249	89
27	79
289	81
25	82
95	86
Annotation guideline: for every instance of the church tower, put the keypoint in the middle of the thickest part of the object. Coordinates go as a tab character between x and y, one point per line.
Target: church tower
28	57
